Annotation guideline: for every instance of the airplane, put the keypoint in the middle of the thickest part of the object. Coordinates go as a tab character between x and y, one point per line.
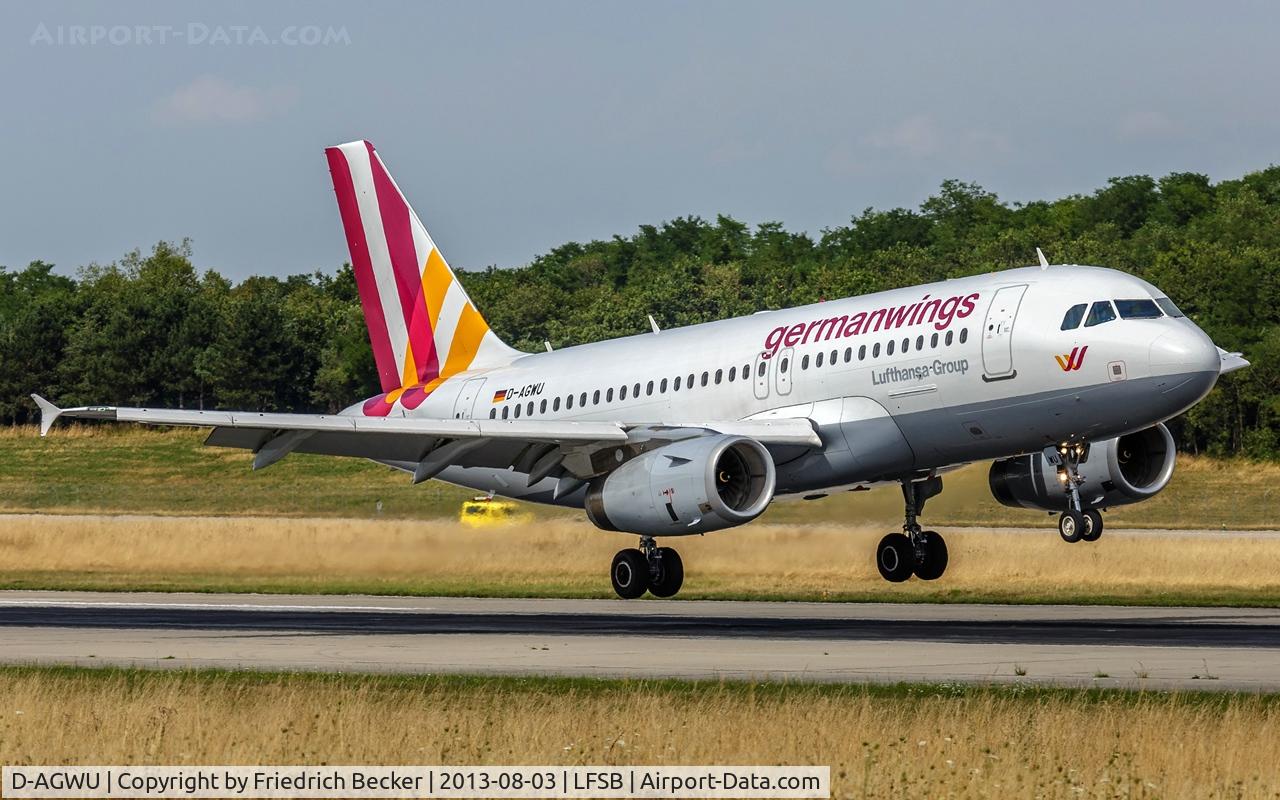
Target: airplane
1063	376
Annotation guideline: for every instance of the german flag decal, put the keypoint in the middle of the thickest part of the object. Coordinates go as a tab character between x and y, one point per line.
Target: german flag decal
499	396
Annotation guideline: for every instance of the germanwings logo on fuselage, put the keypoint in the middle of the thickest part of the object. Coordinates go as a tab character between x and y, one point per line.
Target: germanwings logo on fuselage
1074	360
939	312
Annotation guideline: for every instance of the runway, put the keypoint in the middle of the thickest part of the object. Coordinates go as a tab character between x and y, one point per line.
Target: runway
1156	648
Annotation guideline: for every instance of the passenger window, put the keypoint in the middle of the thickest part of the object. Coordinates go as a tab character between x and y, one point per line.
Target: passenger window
933	340
1138	309
804	362
622	393
676	386
648	389
705	377
690	383
833	358
582	401
964	335
568	402
906	345
529	411
517	414
733	374
919	342
848	354
862	352
947	341
493	413
542	407
746	371
595	397
818	361
888	349
635	391
608	396
662	387
505	409
763	366
783	366
1099	313
556	405
1071	320
719	376
875	350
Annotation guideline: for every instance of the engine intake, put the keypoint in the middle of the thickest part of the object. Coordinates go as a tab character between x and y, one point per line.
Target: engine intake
1117	472
690	486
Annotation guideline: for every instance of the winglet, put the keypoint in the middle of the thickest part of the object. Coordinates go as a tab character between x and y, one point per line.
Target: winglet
49	413
1044	262
653	323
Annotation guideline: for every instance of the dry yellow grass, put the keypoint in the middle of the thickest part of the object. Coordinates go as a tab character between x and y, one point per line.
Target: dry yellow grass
571	558
879	743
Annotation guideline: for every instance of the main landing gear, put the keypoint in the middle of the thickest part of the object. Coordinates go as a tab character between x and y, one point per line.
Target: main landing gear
914	551
658	570
1077	522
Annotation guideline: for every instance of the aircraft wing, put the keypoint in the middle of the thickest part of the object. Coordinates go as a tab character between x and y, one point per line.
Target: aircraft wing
429	444
1230	362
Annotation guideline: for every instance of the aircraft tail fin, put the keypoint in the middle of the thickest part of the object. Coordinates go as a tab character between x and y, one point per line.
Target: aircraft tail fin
422	325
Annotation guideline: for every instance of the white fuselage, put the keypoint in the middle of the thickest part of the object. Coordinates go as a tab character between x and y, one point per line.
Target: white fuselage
896	383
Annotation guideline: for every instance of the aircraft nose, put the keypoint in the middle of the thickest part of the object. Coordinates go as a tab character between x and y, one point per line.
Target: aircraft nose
1184	348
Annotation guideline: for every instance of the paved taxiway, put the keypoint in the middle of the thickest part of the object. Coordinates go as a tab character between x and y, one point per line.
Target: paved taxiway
1201	648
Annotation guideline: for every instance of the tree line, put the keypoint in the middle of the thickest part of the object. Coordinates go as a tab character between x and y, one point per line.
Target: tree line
152	329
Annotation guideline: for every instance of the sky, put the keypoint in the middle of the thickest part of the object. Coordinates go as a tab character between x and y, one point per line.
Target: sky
514	127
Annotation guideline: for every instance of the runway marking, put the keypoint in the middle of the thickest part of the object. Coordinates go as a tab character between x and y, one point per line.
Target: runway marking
205	606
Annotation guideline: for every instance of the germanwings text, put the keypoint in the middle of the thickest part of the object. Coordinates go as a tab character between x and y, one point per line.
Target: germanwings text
939	312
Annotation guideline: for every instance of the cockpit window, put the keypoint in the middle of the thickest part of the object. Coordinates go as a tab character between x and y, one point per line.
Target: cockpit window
1100	312
1074	314
1138	309
1167	306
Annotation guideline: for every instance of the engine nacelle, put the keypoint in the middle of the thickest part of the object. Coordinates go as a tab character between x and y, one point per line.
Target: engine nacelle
1117	472
694	485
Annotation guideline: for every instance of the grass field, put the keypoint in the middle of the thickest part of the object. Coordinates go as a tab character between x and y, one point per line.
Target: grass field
570	558
903	741
102	468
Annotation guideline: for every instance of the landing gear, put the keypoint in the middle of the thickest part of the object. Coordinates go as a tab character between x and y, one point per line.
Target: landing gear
1077	522
669	574
1071	526
1092	525
894	558
659	570
914	551
630	574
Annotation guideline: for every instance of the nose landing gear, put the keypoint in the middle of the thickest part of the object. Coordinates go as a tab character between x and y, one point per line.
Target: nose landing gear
914	551
1077	522
659	570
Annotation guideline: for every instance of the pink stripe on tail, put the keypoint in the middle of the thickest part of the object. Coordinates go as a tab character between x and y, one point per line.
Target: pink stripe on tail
406	263
344	187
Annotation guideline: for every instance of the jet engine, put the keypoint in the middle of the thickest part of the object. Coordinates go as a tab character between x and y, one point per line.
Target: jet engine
1116	472
690	486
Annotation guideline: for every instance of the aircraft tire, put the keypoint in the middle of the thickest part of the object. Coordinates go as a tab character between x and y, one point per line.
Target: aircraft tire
670	575
630	573
895	558
1092	525
935	561
1071	526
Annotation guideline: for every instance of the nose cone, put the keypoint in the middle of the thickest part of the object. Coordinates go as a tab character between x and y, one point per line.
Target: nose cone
1184	348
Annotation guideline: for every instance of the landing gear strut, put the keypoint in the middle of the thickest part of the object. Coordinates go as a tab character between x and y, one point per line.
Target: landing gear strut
656	569
1077	522
914	551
